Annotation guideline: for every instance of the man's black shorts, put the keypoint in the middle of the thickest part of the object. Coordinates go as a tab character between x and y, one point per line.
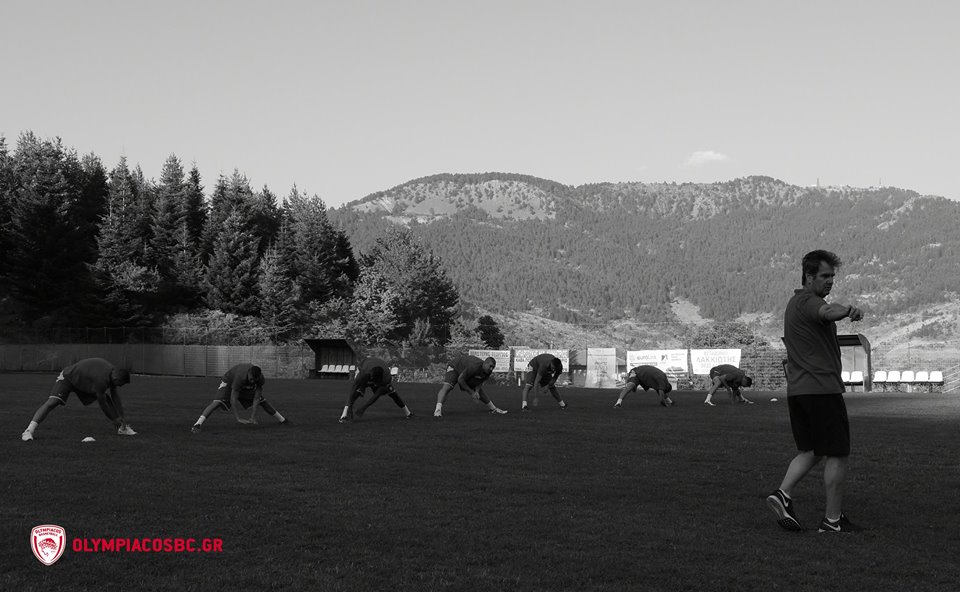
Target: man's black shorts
820	424
62	389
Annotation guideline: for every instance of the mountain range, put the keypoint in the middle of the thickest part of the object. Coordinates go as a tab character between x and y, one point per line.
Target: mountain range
603	254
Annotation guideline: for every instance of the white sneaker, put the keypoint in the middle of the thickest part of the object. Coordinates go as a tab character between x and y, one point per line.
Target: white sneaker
616	406
437	413
26	436
498	411
710	403
126	431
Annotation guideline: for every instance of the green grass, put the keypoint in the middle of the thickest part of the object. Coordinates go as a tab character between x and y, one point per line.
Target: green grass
586	499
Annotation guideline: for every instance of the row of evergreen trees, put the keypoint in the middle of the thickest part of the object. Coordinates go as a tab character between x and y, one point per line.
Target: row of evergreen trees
83	246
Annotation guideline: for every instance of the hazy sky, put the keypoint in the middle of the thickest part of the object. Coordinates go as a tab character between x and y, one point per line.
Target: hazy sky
351	97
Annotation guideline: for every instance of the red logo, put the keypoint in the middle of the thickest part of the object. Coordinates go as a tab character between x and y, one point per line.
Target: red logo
48	542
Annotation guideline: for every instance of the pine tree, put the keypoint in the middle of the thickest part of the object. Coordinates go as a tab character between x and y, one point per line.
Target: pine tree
417	275
489	332
278	294
373	309
167	218
322	261
194	210
232	274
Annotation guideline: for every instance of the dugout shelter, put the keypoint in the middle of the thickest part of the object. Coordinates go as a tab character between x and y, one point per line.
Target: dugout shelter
334	358
855	360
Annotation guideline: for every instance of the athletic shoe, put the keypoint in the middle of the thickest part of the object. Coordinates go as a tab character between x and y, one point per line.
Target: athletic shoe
285	422
438	414
498	411
616	406
563	406
841	525
710	403
196	428
747	401
783	508
344	420
26	436
668	402
411	416
126	431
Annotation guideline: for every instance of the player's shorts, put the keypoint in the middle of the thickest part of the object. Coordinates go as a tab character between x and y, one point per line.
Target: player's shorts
820	424
452	376
531	376
244	397
62	389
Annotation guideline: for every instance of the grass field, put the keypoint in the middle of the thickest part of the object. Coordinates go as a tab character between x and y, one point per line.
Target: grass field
644	498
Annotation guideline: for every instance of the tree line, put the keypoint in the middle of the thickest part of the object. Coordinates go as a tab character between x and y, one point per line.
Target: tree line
84	246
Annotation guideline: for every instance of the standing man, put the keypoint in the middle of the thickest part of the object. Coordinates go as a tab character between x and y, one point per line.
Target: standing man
374	374
244	384
92	379
469	373
818	414
731	378
542	372
648	377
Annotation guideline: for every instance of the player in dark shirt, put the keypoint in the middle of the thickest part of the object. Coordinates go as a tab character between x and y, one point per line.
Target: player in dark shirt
469	373
647	377
542	372
92	379
375	375
241	384
731	378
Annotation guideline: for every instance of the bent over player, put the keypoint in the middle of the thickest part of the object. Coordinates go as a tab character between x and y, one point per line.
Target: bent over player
731	378
469	373
375	375
647	377
241	384
542	372
92	379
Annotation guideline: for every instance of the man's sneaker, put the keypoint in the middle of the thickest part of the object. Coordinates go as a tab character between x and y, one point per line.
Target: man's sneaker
285	422
525	408
498	411
783	508
126	431
564	406
747	401
438	413
668	402
26	436
196	428
710	403
411	416
841	525
617	406
344	420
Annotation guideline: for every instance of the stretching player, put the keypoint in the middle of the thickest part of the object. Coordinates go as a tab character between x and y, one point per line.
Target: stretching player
542	372
731	378
375	375
244	384
469	373
647	377
92	379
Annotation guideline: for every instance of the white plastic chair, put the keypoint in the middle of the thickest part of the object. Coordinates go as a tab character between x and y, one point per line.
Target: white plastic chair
893	379
936	377
845	377
856	377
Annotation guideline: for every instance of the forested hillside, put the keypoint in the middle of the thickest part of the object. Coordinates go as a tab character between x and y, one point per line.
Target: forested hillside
614	250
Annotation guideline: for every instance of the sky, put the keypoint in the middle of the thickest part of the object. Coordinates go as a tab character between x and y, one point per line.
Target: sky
346	98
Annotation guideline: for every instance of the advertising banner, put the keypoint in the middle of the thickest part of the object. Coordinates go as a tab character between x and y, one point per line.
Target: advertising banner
522	357
704	359
502	356
601	367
